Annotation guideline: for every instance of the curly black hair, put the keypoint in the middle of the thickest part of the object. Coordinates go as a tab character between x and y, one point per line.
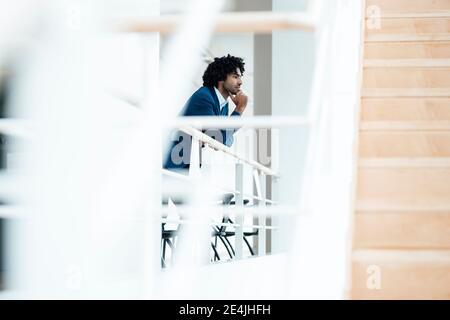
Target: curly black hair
220	68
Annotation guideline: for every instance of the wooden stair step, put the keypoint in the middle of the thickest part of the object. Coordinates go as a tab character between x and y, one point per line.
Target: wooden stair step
403	274
405	126
402	92
408	6
404	163
406	63
405	109
402	78
421	140
402	229
410	26
368	206
402	256
396	15
413	186
407	50
406	37
404	140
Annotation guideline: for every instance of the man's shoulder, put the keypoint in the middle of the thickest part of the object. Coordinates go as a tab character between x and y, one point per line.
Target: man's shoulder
203	92
197	102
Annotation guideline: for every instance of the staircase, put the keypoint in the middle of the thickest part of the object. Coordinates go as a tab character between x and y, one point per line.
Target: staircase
401	242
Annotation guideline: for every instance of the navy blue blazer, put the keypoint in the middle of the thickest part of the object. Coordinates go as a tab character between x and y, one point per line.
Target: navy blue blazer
203	102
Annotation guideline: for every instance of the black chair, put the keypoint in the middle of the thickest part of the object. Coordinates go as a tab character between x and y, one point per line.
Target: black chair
223	232
169	237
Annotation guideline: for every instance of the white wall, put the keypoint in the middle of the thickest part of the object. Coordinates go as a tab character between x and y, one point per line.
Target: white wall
293	66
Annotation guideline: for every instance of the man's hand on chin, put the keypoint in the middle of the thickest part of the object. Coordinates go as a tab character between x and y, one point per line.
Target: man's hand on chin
240	100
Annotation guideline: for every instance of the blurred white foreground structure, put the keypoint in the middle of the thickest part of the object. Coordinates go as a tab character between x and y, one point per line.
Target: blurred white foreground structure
84	202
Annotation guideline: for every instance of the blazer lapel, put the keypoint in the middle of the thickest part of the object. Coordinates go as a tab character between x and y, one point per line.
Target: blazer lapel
212	92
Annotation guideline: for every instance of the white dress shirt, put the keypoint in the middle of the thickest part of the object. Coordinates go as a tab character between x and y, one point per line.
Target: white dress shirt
222	101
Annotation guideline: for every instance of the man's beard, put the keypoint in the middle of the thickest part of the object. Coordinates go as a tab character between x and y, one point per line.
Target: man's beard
232	90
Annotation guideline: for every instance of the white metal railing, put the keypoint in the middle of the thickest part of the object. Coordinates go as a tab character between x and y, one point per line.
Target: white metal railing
183	177
198	136
256	122
15	127
259	175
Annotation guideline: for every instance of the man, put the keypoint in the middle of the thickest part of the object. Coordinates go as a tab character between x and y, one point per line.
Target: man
221	80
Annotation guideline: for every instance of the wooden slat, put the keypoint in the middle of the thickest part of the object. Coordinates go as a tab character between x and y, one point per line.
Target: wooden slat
406	109
405	126
401	144
408	6
406	37
404	186
257	22
414	26
393	78
402	256
368	206
402	229
408	50
396	15
402	92
404	162
406	63
404	274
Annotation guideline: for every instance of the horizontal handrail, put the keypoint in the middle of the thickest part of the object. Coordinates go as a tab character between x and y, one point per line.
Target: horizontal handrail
232	122
258	122
224	190
10	211
20	127
285	210
218	224
229	22
200	136
176	175
15	127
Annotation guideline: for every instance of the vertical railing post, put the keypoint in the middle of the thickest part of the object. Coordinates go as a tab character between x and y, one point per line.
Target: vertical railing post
151	248
194	166
239	231
262	217
276	234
